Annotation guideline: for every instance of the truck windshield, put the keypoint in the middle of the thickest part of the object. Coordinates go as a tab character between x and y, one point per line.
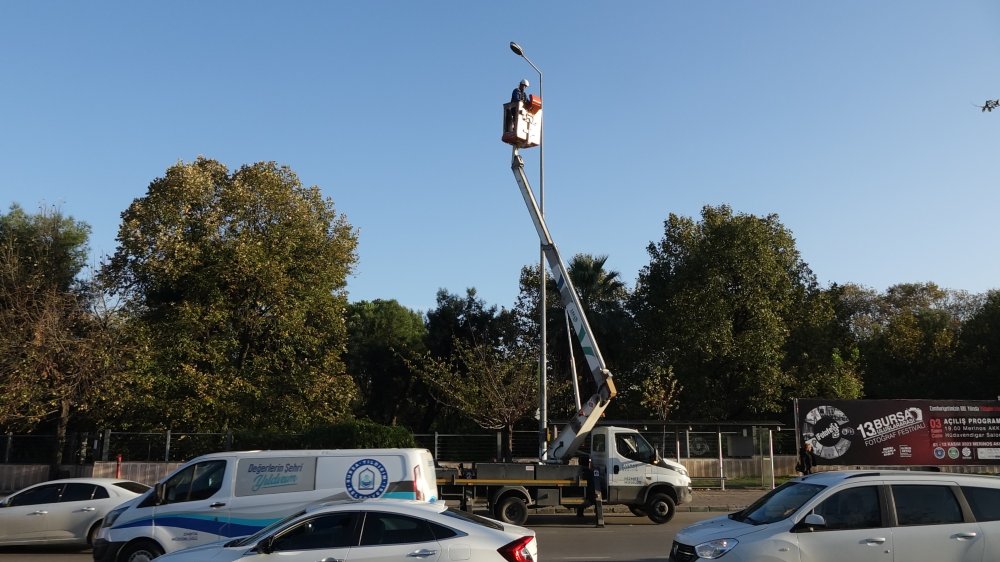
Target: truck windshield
778	504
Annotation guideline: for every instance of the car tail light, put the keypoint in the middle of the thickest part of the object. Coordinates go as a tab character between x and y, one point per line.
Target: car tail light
518	550
417	492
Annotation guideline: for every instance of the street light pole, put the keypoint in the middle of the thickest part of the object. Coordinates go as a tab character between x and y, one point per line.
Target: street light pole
543	413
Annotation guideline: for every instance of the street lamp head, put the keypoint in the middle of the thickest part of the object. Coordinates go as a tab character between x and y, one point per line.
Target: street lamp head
517	49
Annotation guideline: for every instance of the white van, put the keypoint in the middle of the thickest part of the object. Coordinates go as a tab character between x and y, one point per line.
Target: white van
234	494
863	516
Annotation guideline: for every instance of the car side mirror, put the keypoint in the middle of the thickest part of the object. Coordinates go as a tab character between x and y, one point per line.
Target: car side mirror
811	523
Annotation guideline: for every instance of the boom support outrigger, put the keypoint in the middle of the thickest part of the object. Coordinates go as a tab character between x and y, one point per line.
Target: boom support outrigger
568	441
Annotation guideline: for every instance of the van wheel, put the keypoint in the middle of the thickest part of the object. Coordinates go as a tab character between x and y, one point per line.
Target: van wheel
92	534
512	510
660	508
141	551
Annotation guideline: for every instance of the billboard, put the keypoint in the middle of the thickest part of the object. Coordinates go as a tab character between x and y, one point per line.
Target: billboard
901	432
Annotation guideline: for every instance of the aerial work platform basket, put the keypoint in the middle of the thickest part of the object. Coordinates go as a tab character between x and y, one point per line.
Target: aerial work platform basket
522	122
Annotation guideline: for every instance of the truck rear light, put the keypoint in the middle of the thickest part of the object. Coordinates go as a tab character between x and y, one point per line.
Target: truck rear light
417	492
518	550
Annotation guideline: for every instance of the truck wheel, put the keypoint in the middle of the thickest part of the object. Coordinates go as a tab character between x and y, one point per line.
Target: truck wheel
512	510
660	508
141	551
637	510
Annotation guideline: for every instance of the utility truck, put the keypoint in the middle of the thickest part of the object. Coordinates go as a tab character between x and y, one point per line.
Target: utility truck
630	471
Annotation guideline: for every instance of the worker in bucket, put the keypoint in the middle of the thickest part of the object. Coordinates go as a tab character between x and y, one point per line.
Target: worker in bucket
520	94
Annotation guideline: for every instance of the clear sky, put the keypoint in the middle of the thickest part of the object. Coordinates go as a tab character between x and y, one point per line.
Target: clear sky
854	121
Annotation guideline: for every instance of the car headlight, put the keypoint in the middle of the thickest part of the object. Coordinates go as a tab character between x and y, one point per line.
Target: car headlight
715	549
109	519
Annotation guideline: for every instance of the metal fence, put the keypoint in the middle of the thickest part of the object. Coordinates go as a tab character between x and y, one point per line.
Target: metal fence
701	442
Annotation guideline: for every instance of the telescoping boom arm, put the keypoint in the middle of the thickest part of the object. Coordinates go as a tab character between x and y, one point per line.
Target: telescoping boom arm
572	435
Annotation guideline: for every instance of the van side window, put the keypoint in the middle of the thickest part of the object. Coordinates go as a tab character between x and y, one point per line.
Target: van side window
598	444
853	508
925	505
196	482
985	502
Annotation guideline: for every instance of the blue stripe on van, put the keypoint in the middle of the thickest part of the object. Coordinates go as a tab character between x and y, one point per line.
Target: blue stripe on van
205	524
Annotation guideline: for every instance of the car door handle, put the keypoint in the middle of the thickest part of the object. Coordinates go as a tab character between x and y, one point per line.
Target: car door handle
88	509
965	536
875	540
218	504
332	559
39	512
422	553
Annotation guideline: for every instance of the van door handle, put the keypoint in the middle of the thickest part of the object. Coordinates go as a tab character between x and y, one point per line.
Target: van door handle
617	468
332	559
875	540
422	553
218	504
88	509
965	536
39	512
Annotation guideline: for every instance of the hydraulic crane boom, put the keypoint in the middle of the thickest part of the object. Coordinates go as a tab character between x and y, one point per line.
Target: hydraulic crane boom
572	435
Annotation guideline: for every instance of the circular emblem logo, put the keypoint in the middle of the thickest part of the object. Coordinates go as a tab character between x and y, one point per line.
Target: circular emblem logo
953	453
939	453
827	427
366	478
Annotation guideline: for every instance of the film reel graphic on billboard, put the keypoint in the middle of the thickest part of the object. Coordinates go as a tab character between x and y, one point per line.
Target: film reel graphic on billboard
828	428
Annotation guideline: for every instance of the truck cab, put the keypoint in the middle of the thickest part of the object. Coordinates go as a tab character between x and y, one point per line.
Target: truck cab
635	474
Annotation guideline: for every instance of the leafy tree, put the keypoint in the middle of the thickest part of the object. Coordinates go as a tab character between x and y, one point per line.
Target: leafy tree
912	352
494	386
660	391
381	333
603	296
235	285
53	348
979	350
821	354
467	319
715	301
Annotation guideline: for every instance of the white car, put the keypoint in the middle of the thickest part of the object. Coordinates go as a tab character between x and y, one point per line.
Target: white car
67	511
861	516
375	530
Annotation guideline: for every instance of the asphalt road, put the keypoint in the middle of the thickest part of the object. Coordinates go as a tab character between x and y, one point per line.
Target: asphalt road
561	537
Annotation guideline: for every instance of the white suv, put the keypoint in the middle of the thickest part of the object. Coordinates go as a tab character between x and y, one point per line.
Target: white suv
862	516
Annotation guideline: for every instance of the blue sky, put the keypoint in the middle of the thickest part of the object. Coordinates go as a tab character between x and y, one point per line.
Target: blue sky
853	121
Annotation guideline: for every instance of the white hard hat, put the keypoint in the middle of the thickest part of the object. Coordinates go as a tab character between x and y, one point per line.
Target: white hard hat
525	83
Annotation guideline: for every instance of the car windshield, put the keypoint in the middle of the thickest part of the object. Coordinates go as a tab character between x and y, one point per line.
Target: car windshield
133	487
778	504
256	537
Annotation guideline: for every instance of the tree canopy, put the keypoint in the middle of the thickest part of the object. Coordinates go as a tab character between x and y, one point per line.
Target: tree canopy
234	285
718	301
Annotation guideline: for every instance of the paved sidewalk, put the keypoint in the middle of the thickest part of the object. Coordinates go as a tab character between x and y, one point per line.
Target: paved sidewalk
721	500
